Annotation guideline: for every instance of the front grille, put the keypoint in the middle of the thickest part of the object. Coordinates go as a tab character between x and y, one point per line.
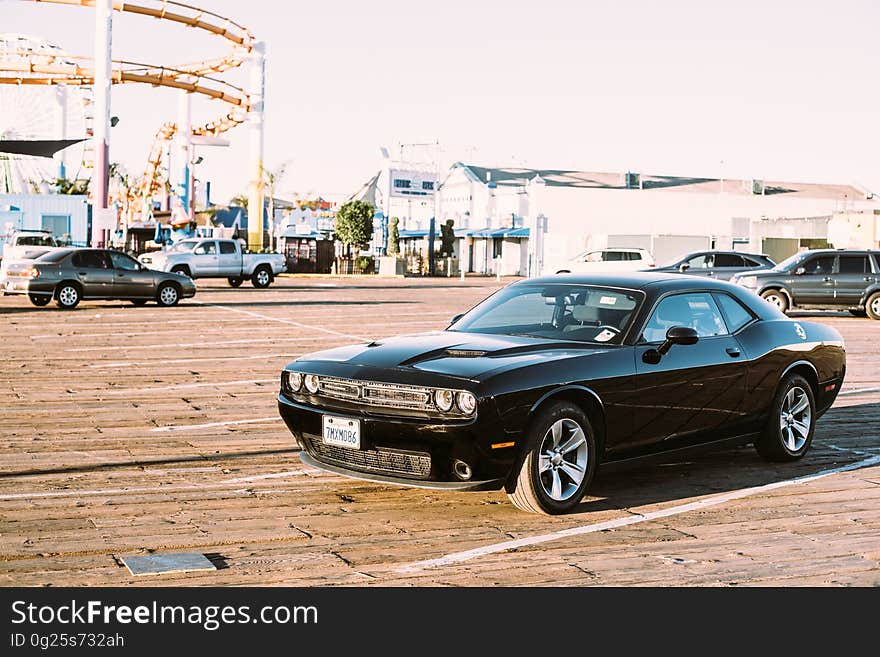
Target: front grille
380	460
389	395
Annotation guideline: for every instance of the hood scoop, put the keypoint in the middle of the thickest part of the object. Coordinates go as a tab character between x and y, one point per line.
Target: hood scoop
465	353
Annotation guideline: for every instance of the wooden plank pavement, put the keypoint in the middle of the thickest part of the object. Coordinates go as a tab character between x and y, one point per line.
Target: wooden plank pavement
102	455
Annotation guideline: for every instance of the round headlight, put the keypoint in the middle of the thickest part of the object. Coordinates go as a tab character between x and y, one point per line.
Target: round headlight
466	402
294	381
444	399
311	382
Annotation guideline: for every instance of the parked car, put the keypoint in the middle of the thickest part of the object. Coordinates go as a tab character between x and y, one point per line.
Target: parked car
719	264
540	383
25	245
821	279
70	275
212	258
608	260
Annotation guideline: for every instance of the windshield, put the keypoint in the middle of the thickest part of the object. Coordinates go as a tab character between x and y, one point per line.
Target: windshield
790	262
36	240
185	245
583	313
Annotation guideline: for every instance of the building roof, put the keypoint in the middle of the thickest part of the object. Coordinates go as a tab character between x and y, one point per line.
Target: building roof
516	177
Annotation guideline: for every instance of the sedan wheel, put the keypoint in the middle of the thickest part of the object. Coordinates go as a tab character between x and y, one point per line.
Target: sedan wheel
558	469
39	300
168	295
873	306
235	282
776	298
789	430
68	296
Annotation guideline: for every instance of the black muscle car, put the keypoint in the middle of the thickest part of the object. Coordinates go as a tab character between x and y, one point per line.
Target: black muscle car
548	378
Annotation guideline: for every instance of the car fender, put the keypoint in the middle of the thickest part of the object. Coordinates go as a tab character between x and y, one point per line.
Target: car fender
776	285
871	289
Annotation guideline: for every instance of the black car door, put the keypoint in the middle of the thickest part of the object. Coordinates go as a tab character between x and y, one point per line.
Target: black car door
852	278
815	282
695	388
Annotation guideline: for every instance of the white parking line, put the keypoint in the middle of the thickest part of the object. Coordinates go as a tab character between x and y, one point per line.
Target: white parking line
166	345
162	361
286	321
275	475
858	391
193	427
183	386
468	555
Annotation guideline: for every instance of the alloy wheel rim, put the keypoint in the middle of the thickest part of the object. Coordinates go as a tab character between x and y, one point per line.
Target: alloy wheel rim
795	419
68	296
775	300
262	277
562	459
169	295
875	306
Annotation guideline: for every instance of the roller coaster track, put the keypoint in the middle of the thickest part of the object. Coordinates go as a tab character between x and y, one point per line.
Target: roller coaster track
29	68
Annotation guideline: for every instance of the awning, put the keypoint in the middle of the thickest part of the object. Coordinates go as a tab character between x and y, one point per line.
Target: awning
36	148
293	235
415	233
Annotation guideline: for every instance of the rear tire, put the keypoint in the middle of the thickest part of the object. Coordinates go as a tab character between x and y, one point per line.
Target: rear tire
67	296
261	278
560	464
563	271
39	300
872	306
235	282
777	298
167	295
792	421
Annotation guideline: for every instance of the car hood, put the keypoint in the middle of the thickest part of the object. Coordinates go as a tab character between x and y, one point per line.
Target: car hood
453	353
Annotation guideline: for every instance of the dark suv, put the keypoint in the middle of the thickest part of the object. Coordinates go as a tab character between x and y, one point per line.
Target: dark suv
821	280
718	264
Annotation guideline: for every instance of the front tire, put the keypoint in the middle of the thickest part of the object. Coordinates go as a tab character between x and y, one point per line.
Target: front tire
39	300
559	467
235	282
183	270
789	430
261	278
872	307
777	298
167	295
67	296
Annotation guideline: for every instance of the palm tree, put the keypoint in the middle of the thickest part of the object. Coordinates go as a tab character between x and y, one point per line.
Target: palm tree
271	178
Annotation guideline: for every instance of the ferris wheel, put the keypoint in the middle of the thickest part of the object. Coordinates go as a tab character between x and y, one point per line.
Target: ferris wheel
28	111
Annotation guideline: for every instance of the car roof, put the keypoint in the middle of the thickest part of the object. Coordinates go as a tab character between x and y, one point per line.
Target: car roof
631	280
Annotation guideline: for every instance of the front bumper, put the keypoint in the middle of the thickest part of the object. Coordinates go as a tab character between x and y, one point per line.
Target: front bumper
407	451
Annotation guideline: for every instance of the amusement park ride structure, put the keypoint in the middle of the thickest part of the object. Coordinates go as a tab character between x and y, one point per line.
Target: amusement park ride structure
47	67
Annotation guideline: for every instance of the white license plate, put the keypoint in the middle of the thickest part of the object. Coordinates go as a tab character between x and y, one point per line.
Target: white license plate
10	285
341	432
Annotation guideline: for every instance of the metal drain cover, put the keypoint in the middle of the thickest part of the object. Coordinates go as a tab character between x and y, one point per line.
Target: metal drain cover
160	564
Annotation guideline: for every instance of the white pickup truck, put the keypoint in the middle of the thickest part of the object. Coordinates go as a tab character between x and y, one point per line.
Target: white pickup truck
212	258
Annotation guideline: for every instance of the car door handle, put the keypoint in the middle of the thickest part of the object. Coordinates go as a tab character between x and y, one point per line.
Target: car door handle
869	279
733	352
827	279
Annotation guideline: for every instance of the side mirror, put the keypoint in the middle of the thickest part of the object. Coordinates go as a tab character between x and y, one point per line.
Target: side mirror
683	335
456	318
800	271
684	266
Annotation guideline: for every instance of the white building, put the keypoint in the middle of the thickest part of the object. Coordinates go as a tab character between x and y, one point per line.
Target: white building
529	221
66	216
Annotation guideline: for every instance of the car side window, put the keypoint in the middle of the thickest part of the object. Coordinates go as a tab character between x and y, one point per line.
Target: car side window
702	261
612	256
735	314
206	248
90	260
820	265
728	260
123	261
852	264
227	248
694	310
749	262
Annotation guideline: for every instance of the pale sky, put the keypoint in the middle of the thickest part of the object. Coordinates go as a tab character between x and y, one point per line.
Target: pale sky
782	90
